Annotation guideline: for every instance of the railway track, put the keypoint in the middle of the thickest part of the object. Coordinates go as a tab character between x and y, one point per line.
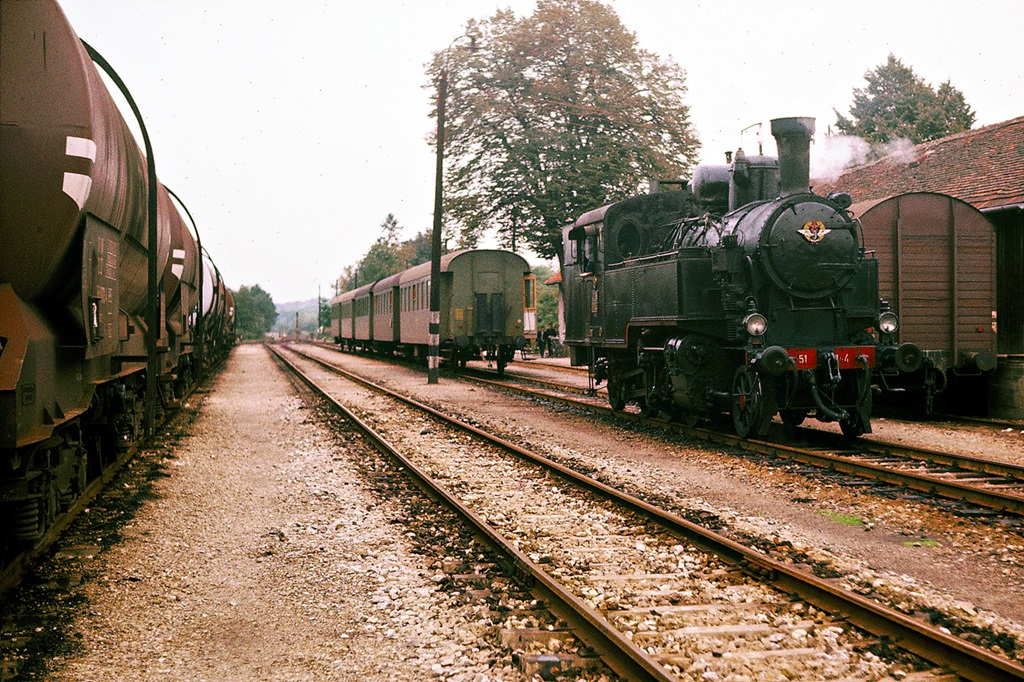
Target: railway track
967	479
659	597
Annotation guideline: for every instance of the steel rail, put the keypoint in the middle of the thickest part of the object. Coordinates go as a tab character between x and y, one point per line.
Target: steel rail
943	649
619	653
992	498
966	462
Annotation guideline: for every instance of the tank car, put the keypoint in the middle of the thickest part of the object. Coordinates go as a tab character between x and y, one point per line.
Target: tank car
73	273
937	270
483	306
745	292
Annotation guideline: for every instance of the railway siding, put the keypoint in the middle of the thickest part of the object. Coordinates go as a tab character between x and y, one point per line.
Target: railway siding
265	550
486	481
915	558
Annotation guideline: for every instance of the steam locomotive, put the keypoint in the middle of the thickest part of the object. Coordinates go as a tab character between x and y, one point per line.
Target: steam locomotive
744	292
73	276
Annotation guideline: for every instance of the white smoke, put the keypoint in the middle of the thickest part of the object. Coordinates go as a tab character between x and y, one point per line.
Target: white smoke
897	151
832	155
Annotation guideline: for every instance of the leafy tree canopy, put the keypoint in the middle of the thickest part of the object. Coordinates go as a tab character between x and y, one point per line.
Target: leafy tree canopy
555	114
381	260
898	104
255	312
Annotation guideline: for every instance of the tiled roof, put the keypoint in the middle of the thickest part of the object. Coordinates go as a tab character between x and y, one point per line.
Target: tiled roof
984	167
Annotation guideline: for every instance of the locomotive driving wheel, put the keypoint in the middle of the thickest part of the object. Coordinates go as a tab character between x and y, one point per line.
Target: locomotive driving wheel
752	404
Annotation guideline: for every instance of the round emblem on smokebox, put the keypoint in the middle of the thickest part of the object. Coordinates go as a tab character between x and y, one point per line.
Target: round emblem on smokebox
814	231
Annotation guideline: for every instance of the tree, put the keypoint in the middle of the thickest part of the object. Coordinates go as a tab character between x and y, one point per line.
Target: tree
324	321
382	258
387	256
558	113
415	251
547	297
255	312
898	104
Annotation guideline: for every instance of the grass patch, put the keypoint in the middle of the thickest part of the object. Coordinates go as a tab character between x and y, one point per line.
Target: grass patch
921	543
842	519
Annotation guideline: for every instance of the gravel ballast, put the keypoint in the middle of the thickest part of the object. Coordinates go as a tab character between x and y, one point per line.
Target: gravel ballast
265	557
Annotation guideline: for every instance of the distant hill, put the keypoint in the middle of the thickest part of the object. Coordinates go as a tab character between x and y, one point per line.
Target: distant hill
285	322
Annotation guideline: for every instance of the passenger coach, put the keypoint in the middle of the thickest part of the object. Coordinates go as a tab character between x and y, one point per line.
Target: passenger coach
487	309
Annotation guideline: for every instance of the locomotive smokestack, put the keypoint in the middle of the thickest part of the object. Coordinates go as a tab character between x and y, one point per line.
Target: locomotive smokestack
793	138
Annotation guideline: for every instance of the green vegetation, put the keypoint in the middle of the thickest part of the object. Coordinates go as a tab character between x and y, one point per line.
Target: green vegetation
842	519
922	543
385	257
255	312
553	115
547	297
898	104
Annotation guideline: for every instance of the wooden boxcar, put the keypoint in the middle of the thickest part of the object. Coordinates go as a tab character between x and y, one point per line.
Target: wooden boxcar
937	270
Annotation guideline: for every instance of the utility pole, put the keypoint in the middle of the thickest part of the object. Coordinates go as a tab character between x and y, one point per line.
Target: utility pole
434	328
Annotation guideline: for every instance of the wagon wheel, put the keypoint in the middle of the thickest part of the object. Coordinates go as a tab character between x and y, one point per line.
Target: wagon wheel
752	406
502	362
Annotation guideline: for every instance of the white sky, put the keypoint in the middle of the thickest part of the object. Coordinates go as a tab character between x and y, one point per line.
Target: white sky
291	129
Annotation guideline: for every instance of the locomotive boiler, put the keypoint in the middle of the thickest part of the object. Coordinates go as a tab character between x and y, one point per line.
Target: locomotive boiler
745	292
74	250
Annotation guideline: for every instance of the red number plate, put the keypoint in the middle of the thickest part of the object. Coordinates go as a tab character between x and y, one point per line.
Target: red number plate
848	356
804	358
807	358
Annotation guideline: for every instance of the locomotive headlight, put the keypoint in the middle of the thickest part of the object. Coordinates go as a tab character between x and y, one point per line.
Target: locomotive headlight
888	323
756	324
